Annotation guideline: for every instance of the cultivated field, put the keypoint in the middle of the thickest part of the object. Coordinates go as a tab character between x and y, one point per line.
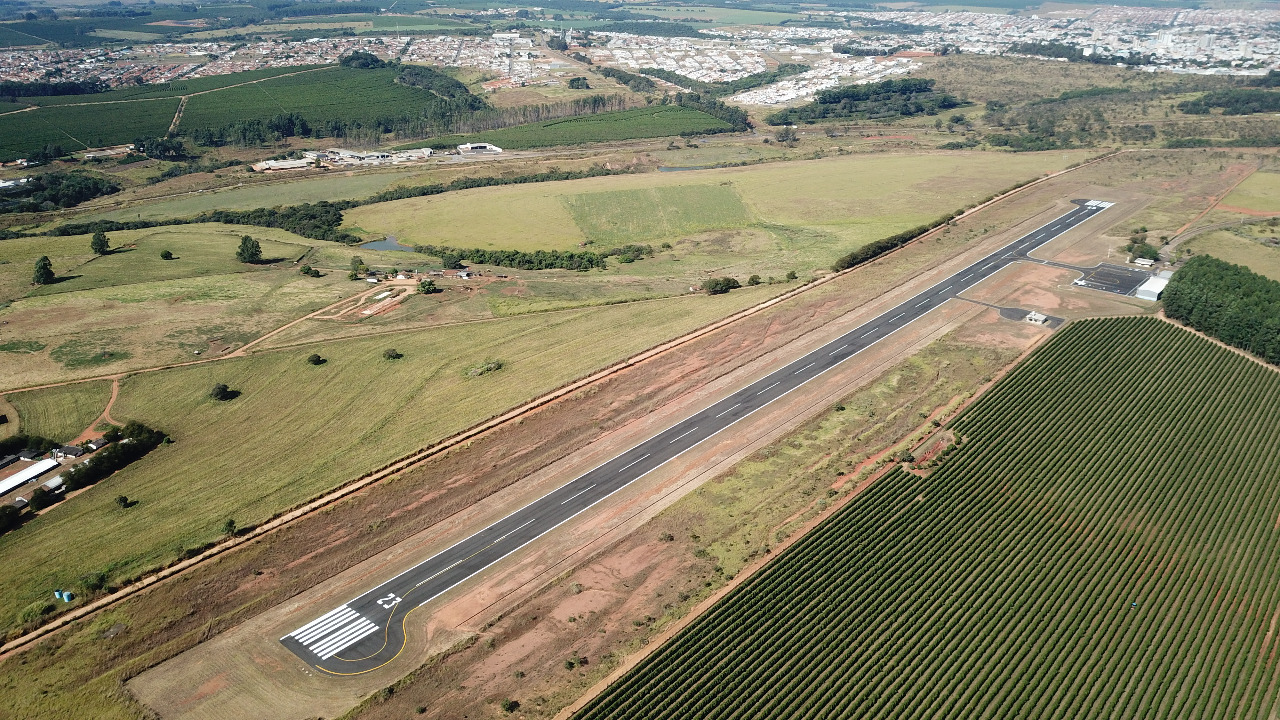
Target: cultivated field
1092	549
646	122
79	127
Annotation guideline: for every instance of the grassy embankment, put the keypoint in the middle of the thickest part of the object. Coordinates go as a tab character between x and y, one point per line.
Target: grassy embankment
1034	551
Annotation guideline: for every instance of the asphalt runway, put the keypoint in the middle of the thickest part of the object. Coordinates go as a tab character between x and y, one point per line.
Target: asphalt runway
368	632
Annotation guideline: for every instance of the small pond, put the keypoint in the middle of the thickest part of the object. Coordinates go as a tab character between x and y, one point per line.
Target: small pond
387	243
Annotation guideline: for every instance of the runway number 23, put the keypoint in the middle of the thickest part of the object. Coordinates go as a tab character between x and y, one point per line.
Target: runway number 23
389	601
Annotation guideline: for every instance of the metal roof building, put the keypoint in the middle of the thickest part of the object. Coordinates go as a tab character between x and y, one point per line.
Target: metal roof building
26	475
1151	289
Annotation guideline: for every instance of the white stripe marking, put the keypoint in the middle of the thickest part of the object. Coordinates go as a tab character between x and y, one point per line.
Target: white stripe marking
895	317
345	639
327	627
778	383
836	351
806	367
734	406
633	462
923	302
686	433
578	493
504	537
869	332
317	621
362	635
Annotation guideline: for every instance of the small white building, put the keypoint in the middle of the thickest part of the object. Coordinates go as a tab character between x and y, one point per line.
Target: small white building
1151	289
1144	262
479	149
1036	318
278	165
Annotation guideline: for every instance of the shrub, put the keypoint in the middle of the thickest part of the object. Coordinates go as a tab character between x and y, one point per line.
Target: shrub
166	255
720	285
392	354
315	359
791	275
510	705
753	280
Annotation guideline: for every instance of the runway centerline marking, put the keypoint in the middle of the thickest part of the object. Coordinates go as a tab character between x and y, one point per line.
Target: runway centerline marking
685	433
728	409
806	367
633	462
767	389
587	488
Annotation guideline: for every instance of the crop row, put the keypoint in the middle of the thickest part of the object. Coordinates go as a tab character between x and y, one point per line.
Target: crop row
1103	544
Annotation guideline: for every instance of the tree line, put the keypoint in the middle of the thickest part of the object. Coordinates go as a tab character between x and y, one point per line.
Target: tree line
1229	302
452	258
1075	54
1236	101
731	87
888	98
11	90
52	190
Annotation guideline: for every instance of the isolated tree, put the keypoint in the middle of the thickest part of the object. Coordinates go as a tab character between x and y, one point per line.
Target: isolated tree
753	280
250	250
229	527
356	263
791	275
315	359
44	271
720	285
221	392
510	705
99	244
122	501
392	354
166	255
786	134
427	287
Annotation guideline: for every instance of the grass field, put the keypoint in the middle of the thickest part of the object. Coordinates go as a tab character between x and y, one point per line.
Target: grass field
323	424
77	127
1224	245
818	208
646	122
60	413
1091	550
197	249
132	309
1260	191
623	216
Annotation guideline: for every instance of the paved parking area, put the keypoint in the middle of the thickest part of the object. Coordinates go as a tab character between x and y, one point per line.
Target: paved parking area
1113	279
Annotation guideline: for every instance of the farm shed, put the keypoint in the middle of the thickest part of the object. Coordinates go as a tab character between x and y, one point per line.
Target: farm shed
478	148
26	475
1151	289
68	451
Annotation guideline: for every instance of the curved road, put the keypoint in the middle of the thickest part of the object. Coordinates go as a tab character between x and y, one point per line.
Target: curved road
368	632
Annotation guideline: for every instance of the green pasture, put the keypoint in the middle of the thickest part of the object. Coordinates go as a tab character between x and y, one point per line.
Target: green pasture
173	89
60	413
837	202
338	186
1240	250
1260	191
135	257
323	424
622	216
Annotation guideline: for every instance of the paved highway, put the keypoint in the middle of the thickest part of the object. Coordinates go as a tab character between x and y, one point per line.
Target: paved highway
368	632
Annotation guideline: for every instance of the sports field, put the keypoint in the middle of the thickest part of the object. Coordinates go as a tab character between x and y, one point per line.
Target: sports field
1094	549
